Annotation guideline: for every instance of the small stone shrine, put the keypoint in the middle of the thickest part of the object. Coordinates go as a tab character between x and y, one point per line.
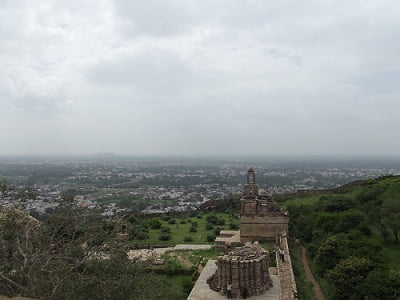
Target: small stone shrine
246	268
122	233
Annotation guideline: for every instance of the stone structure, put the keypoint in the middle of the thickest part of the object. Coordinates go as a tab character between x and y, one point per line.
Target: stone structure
227	239
261	218
287	280
246	268
122	233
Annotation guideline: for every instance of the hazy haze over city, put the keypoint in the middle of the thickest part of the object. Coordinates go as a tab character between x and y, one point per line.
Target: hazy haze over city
199	77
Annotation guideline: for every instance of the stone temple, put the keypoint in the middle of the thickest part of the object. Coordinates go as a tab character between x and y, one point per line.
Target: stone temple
261	218
246	268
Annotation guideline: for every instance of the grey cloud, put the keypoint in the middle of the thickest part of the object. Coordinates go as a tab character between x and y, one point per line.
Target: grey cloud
156	17
200	76
147	74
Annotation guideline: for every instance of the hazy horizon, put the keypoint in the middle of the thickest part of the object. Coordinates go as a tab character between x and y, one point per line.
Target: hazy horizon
200	78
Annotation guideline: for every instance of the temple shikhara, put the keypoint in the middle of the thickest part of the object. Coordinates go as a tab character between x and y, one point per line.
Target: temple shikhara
260	216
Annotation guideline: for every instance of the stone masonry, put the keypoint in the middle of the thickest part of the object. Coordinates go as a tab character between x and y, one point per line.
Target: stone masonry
246	268
261	218
285	271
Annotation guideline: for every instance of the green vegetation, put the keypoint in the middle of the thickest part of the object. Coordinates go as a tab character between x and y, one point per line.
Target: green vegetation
304	287
352	237
54	260
194	230
189	259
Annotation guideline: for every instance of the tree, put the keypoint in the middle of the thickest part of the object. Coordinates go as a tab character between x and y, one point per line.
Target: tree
382	284
55	260
390	213
37	258
348	276
327	255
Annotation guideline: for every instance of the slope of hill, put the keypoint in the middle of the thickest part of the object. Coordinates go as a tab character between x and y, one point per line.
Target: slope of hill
352	237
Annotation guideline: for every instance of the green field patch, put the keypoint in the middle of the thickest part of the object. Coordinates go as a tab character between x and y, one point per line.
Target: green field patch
194	227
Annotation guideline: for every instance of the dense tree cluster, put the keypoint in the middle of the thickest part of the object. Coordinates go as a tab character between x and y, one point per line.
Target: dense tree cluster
346	234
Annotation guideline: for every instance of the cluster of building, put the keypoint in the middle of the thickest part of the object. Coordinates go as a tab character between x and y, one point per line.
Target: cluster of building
117	186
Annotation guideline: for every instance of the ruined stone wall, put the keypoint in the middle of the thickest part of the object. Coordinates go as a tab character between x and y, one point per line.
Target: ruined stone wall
285	271
259	228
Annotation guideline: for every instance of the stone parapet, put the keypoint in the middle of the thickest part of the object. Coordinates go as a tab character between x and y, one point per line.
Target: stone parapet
285	272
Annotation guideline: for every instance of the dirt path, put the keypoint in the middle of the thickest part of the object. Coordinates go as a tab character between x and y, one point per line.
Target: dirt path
317	289
184	261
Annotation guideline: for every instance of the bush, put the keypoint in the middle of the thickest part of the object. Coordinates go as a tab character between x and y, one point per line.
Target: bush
172	221
233	226
217	230
220	222
192	229
139	234
210	238
209	226
164	236
194	224
182	222
188	239
155	224
212	219
165	229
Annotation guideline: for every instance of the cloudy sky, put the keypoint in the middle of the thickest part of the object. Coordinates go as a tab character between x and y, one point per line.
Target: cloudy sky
224	77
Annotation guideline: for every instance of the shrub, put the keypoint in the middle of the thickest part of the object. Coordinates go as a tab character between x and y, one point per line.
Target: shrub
233	226
165	229
142	235
183	222
155	224
192	229
210	238
212	219
209	226
194	224
172	221
217	230
220	222
164	236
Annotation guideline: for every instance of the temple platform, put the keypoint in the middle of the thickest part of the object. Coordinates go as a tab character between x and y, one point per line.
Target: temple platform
202	291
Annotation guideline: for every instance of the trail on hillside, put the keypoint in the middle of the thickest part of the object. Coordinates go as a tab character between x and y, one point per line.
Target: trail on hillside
317	289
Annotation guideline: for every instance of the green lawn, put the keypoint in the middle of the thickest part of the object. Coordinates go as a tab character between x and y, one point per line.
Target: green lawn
180	231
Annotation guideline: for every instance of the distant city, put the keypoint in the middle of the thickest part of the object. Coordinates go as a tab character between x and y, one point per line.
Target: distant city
115	186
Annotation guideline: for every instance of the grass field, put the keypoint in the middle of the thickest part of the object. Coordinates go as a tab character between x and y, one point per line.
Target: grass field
181	231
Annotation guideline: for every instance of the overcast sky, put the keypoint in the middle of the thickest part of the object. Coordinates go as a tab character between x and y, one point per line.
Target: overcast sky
223	77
